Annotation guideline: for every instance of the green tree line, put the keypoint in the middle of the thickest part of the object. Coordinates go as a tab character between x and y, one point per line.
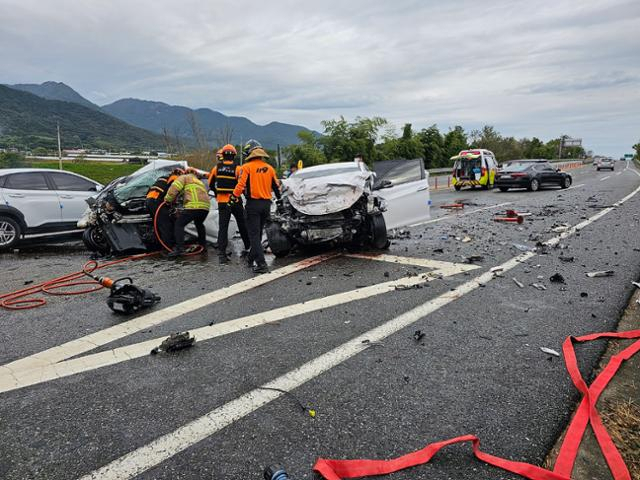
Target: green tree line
377	141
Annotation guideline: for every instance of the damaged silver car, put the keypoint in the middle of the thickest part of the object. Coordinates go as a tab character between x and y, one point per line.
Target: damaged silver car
346	203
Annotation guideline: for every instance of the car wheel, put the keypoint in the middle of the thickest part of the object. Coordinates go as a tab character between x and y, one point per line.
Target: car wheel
504	189
598	169
534	185
9	232
378	231
457	187
279	243
566	183
94	239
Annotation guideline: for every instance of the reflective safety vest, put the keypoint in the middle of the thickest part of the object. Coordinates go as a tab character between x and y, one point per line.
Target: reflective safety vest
226	179
194	194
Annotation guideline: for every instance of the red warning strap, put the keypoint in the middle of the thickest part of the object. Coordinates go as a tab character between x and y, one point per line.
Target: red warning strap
587	413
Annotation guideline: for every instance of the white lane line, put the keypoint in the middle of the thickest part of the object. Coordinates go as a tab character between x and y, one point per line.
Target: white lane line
449	217
619	173
166	446
580	185
19	378
419	262
157	317
604	178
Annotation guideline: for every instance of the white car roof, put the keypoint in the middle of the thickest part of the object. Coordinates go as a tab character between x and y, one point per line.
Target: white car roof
333	166
7	171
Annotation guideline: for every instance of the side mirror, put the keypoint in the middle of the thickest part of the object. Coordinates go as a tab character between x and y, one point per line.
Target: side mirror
383	184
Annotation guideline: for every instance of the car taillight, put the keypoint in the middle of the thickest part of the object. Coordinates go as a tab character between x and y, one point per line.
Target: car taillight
518	174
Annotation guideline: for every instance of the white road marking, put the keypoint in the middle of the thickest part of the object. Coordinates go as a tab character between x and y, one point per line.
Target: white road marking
575	186
619	173
449	217
166	446
12	378
604	178
157	317
419	262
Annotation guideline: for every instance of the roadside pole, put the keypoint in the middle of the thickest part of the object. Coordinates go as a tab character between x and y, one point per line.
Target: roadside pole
59	149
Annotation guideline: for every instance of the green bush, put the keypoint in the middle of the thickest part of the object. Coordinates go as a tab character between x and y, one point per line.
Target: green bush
11	160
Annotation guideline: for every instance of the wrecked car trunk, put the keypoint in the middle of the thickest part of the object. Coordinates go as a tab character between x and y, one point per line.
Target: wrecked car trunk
327	204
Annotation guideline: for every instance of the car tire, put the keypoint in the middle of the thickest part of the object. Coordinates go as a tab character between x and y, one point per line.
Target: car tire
279	243
503	189
378	231
94	239
457	187
534	185
10	232
566	182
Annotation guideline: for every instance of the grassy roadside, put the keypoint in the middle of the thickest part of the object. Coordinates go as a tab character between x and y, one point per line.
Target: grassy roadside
102	172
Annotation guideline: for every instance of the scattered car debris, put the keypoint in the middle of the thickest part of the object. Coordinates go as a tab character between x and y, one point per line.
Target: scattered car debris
637	284
584	294
175	342
453	206
408	287
550	351
518	219
474	258
522	248
466	239
566	259
557	278
603	273
519	284
438	250
418	335
561	228
310	411
539	286
399	235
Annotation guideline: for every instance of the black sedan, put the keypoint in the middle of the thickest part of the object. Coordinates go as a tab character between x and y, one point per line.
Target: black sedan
531	175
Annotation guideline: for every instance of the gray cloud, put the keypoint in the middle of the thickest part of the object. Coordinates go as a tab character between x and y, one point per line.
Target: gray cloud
529	68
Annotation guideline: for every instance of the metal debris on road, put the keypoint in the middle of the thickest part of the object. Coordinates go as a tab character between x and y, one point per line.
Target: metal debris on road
550	351
466	239
561	228
418	335
566	259
539	286
522	248
603	273
519	284
473	258
175	342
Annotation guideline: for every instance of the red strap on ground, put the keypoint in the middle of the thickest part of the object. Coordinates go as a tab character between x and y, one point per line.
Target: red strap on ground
341	469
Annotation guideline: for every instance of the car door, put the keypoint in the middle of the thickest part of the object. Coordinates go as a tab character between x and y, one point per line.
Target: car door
72	191
548	175
407	197
29	192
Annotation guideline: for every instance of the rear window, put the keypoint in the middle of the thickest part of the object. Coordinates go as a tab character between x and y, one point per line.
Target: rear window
399	172
516	167
26	181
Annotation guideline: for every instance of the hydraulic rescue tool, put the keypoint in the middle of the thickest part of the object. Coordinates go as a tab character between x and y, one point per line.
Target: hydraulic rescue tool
275	472
125	297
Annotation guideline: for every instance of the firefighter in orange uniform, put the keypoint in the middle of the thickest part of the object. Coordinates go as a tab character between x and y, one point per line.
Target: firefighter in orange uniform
258	181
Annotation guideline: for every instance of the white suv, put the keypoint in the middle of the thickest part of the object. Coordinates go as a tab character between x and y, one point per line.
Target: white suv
41	201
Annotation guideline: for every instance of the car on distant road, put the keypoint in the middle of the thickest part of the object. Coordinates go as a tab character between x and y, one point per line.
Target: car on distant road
40	201
607	163
531	174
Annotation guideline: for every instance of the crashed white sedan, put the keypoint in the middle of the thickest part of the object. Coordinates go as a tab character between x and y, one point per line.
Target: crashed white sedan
346	203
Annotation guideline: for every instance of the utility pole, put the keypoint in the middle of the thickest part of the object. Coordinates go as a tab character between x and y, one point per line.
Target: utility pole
241	151
279	161
560	146
59	149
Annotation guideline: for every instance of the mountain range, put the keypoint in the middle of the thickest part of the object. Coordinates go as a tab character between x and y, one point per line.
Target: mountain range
192	126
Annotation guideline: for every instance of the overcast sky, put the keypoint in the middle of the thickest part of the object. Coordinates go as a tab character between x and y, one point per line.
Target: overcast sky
530	68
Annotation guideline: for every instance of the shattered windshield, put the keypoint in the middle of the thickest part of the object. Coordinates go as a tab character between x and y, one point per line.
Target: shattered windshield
137	185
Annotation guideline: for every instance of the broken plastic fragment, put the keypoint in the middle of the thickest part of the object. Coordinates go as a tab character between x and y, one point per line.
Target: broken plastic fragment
519	284
175	342
550	351
604	273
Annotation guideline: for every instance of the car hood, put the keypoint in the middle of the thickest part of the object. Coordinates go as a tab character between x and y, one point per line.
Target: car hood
328	194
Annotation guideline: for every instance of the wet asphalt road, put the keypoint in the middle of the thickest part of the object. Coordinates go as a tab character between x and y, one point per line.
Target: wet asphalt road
478	369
